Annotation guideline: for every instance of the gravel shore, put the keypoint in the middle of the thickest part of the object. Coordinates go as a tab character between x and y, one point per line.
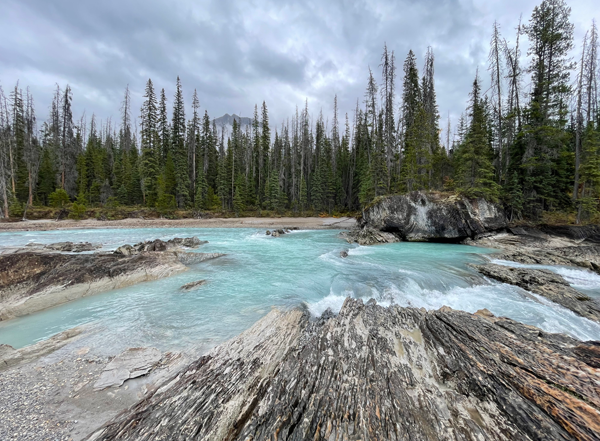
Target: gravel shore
305	223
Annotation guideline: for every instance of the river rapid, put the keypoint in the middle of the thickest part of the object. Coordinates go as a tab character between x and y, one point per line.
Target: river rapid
303	268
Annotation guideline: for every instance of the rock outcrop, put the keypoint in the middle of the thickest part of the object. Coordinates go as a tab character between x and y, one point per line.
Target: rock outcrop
420	216
33	281
159	245
568	245
547	284
378	373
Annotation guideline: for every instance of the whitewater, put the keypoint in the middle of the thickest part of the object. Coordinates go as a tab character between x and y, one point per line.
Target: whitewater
301	269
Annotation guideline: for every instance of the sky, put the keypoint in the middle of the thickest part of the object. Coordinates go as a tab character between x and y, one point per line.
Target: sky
240	53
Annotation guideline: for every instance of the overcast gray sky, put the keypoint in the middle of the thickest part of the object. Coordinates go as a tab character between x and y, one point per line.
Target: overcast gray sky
238	53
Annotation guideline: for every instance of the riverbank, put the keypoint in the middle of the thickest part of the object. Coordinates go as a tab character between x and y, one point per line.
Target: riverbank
304	223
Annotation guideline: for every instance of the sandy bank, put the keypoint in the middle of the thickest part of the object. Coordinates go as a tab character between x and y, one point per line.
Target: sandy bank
305	223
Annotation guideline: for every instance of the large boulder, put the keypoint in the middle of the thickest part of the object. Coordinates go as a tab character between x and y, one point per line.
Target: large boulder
420	216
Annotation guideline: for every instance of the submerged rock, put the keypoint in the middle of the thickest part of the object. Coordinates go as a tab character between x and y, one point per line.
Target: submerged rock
268	233
132	363
547	284
192	285
378	373
344	254
420	216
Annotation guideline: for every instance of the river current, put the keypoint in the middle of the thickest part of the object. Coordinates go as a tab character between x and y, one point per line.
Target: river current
303	268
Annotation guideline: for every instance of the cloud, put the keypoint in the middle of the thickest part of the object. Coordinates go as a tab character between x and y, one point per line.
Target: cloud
239	53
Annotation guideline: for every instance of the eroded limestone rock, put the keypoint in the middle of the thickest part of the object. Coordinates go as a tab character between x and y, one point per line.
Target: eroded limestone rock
378	373
421	216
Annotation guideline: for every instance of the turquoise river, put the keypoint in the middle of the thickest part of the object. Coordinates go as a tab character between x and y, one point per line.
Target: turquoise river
303	269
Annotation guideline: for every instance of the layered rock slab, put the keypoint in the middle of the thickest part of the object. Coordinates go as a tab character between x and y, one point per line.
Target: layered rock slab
547	284
378	373
32	281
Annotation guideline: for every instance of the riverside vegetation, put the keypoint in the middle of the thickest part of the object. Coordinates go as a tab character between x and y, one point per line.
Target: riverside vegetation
535	149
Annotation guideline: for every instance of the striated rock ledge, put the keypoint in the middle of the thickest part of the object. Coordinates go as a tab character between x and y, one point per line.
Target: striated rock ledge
33	281
378	373
421	216
547	284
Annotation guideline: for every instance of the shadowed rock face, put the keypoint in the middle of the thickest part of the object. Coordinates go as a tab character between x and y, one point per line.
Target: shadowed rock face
420	216
378	373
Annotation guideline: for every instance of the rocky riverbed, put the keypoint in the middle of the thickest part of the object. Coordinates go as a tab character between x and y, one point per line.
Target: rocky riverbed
368	372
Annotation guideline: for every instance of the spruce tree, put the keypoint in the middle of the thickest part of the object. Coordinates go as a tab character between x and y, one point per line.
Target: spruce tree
150	146
180	157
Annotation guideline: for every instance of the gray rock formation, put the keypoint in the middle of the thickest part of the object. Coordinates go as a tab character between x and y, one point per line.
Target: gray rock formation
374	373
72	247
32	281
193	285
132	363
369	236
547	284
159	245
420	216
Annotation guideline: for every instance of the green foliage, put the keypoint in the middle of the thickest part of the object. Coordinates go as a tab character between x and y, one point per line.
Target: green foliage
77	211
15	207
166	204
59	198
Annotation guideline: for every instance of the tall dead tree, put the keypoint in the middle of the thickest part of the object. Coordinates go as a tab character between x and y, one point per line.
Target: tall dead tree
495	68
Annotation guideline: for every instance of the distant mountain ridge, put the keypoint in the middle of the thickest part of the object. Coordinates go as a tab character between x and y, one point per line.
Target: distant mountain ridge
227	120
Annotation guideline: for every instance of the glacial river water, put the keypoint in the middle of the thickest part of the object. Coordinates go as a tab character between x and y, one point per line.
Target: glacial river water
302	268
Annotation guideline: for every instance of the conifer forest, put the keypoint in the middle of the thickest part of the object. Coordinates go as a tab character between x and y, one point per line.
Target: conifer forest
529	138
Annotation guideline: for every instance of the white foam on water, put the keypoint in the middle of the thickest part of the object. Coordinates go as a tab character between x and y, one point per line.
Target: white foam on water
578	278
501	299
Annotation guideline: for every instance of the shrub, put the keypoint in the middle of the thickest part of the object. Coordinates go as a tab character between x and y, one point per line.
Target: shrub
77	211
59	198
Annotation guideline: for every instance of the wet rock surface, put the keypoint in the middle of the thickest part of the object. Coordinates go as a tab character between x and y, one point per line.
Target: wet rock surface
421	216
369	236
568	245
378	373
132	363
193	285
547	284
159	245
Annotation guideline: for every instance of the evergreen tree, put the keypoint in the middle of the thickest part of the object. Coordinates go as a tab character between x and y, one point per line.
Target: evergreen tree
150	146
180	158
474	168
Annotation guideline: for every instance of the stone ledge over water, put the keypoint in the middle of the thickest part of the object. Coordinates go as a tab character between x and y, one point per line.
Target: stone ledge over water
378	373
420	216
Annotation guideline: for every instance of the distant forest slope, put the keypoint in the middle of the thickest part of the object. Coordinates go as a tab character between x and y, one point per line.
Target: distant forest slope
536	149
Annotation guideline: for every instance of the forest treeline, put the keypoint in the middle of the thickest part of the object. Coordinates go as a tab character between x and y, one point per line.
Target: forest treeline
530	141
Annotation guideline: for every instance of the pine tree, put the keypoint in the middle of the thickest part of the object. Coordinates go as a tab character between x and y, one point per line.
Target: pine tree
182	194
150	146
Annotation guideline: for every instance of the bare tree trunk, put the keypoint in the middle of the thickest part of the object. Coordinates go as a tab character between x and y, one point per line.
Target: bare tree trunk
578	127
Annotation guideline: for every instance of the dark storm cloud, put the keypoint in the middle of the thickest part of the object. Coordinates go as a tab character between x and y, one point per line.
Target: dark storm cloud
238	53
